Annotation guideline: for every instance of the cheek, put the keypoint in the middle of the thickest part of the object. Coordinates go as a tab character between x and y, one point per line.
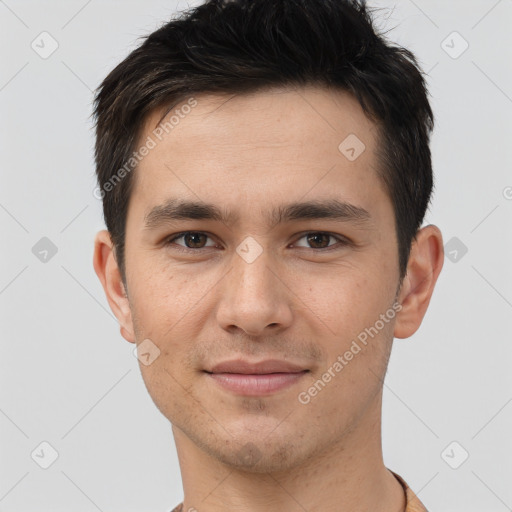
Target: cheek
349	304
168	307
165	309
345	299
163	297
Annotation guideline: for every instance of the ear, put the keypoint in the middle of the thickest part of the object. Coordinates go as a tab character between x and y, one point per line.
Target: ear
425	263
107	270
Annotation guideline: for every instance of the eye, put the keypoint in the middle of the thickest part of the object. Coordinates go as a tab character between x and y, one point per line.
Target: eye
320	240
316	240
192	240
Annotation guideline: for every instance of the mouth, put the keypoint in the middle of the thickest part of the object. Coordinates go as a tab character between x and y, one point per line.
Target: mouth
256	379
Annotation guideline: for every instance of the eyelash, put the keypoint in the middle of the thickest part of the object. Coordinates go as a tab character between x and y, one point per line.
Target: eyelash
342	241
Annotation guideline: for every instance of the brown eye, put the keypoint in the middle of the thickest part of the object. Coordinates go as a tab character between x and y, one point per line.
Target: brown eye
320	240
191	240
194	240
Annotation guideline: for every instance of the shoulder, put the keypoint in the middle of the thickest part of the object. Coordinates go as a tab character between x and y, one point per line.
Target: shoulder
413	504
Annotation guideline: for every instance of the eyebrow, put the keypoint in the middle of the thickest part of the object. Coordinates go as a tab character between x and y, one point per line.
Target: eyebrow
176	209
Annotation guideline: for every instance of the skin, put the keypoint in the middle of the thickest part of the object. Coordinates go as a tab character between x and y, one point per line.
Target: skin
249	155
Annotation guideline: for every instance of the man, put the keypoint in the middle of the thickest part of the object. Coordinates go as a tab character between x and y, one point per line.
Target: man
265	169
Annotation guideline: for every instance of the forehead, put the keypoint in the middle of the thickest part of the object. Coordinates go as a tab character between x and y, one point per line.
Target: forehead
264	146
273	116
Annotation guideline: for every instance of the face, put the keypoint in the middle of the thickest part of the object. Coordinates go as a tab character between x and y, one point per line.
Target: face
295	258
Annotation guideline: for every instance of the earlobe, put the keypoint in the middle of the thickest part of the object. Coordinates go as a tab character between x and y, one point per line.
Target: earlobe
107	270
425	263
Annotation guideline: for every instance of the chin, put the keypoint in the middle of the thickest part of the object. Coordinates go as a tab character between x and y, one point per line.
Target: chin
252	457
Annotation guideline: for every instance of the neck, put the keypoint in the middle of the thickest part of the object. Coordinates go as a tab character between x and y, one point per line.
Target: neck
349	476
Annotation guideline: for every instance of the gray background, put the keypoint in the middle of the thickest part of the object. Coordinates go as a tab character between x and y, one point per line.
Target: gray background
67	376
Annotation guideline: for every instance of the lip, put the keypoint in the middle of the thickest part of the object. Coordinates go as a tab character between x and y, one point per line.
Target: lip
259	368
256	379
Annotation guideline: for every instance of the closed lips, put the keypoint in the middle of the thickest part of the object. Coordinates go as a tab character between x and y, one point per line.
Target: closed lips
241	366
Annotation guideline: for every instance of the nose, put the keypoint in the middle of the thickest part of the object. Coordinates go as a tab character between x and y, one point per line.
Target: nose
255	298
